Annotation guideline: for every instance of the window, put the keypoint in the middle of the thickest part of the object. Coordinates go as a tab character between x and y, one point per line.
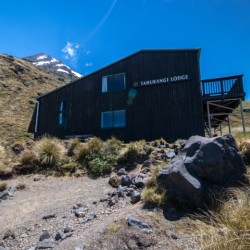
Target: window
113	83
113	119
62	118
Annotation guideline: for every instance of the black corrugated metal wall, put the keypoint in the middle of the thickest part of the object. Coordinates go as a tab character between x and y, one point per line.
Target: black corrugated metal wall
171	110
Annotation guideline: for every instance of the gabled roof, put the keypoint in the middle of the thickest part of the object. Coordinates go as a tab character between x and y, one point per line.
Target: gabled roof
198	50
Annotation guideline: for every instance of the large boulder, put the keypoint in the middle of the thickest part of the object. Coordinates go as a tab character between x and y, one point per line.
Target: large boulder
203	164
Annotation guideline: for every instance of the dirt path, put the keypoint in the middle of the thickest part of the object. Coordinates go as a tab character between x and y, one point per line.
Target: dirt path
23	214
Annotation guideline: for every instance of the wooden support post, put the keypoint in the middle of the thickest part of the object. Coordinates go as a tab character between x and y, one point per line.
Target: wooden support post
229	125
209	121
242	117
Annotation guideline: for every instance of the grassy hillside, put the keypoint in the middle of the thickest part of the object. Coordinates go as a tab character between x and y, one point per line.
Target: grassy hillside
20	84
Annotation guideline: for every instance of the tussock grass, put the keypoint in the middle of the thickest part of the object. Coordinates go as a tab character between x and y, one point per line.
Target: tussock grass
154	194
50	151
229	226
20	186
28	158
158	142
3	186
72	146
136	152
245	152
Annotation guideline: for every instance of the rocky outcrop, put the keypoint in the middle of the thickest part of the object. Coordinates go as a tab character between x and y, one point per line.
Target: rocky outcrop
201	165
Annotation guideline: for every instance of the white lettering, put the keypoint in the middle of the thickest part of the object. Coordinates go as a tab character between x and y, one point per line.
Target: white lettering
164	80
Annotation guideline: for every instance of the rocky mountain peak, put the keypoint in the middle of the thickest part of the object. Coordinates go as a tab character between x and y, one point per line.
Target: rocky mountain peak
48	62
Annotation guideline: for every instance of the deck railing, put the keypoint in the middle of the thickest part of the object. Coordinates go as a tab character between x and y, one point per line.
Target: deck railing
224	87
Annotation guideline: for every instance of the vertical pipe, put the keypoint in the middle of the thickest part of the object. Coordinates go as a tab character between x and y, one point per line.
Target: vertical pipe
37	115
220	130
242	117
209	121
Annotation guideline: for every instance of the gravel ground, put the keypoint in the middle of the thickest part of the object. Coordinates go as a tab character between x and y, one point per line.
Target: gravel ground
102	227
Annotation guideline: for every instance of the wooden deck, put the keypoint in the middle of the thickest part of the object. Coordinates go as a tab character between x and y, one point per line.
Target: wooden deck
221	96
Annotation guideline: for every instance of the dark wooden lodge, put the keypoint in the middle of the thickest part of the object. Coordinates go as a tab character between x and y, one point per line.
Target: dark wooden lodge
147	95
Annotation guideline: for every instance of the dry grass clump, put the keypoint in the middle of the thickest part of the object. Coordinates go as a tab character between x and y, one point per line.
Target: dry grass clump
159	142
72	146
245	152
3	186
28	158
50	151
228	227
5	158
243	142
136	152
115	181
2	156
20	186
154	195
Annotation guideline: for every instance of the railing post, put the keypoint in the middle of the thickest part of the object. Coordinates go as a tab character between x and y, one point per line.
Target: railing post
222	88
203	88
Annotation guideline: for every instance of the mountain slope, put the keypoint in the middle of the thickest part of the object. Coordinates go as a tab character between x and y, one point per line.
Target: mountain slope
21	83
56	66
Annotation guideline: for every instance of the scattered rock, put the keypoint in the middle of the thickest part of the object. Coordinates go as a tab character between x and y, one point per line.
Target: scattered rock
49	216
44	235
103	199
122	171
126	180
47	243
112	201
203	164
59	235
139	182
174	236
37	178
169	155
93	216
136	223
136	196
80	212
147	164
9	233
11	191
3	194
68	230
3	248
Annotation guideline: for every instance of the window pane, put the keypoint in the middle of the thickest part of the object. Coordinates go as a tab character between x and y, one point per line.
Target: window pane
119	82
60	120
111	86
119	118
107	119
104	84
61	106
113	83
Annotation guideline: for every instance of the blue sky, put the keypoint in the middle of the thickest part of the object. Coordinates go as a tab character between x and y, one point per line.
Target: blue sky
89	34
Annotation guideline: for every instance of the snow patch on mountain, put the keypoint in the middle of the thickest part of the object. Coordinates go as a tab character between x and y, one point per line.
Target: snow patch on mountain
48	62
